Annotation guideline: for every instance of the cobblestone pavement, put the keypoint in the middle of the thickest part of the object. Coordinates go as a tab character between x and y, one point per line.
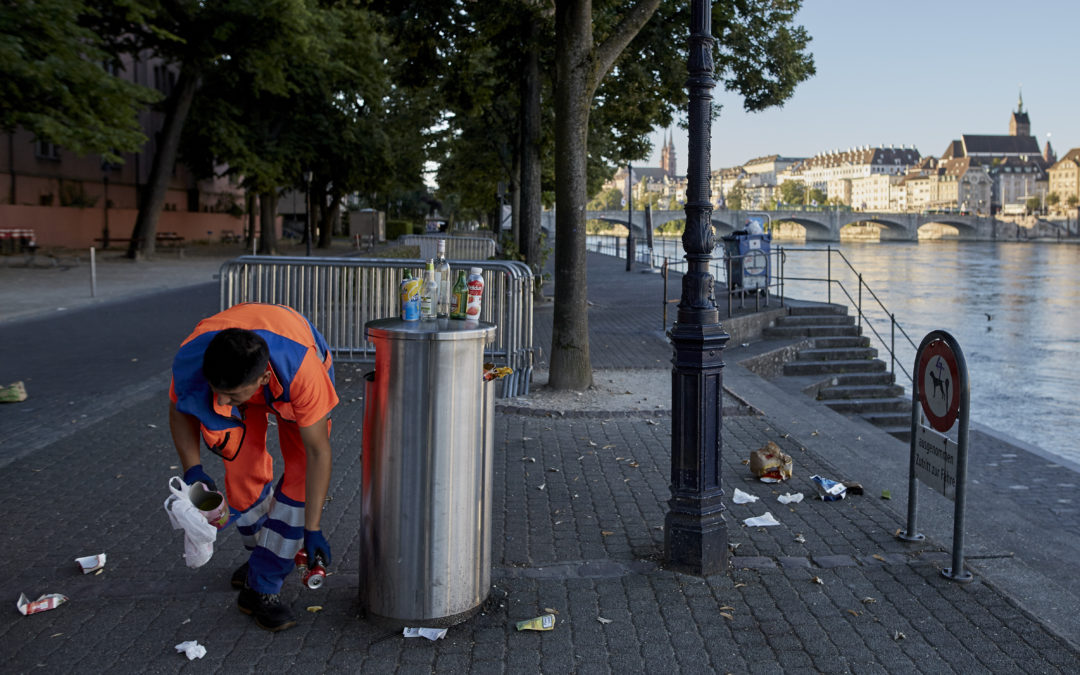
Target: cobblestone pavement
578	531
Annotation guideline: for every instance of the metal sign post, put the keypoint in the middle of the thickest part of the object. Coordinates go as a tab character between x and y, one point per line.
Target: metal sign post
940	393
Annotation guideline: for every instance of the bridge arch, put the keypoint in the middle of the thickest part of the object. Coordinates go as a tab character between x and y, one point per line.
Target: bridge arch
815	230
964	228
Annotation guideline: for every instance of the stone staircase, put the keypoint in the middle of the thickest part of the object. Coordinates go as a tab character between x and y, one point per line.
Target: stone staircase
841	369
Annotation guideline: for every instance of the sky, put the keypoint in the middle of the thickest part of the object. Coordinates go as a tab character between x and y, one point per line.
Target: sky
919	72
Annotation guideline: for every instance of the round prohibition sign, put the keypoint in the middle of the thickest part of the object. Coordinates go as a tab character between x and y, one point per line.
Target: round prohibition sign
939	385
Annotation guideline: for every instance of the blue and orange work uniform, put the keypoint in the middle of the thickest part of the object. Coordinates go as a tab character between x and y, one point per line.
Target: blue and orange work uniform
300	393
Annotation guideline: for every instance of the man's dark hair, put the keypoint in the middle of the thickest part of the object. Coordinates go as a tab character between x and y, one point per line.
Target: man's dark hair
235	358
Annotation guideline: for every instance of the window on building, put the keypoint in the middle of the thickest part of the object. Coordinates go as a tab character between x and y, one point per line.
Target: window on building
47	150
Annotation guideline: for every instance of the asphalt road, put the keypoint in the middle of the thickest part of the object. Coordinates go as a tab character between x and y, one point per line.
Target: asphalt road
81	365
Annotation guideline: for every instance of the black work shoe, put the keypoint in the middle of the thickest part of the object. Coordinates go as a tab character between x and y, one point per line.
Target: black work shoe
239	577
269	612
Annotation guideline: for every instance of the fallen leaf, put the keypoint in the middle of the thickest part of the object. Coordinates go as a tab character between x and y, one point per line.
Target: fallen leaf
548	610
603	620
878	556
852	612
727	616
315	608
886	494
727	608
606	532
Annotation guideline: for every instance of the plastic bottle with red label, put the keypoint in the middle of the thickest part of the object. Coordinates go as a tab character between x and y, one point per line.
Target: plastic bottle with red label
475	283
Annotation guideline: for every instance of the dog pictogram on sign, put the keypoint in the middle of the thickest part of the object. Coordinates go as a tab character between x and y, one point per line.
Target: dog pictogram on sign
939	385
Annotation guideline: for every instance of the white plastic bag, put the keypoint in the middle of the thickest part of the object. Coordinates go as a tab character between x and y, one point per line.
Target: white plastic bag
199	535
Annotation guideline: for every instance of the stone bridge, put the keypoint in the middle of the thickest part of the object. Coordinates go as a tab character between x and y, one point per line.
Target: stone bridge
819	224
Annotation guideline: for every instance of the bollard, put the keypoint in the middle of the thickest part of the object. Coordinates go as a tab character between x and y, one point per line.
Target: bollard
93	274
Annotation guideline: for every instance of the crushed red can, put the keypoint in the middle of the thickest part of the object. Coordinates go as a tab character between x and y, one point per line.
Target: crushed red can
311	576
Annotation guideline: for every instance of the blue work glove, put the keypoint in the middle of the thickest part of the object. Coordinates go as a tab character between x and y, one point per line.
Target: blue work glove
316	546
196	475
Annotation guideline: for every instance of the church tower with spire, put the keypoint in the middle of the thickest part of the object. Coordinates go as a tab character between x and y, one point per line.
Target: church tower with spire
667	157
1019	124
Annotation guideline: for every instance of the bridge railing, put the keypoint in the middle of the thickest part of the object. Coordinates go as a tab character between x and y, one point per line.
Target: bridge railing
868	307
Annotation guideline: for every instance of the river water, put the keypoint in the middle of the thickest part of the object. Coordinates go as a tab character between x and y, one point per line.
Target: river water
1014	308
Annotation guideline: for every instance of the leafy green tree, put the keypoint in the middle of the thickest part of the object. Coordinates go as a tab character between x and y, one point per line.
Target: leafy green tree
759	54
1072	200
1053	199
58	81
792	192
736	196
816	196
608	200
1033	204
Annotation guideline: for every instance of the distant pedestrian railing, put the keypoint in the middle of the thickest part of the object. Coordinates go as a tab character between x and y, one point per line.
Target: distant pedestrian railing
856	291
460	248
340	295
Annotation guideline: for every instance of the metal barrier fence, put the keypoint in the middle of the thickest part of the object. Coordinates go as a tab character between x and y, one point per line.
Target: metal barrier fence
461	248
340	295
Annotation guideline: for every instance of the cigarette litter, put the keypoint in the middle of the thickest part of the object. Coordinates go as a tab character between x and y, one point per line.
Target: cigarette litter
764	520
192	649
790	498
828	490
543	622
42	604
770	464
429	633
741	497
91	563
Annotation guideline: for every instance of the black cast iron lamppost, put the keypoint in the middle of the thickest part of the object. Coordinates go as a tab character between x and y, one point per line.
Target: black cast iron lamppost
695	532
630	216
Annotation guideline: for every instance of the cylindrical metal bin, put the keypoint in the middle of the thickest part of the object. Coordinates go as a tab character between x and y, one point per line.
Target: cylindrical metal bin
425	530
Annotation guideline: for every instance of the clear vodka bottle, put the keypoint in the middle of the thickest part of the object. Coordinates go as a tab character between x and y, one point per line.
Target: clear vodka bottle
442	276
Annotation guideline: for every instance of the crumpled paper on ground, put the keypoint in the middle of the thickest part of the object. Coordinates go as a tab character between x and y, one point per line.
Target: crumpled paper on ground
828	490
42	604
740	497
764	520
192	649
199	535
429	633
91	563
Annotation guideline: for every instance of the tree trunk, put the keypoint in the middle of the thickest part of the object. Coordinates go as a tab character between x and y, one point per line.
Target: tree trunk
267	216
142	236
570	366
529	235
578	71
329	215
252	205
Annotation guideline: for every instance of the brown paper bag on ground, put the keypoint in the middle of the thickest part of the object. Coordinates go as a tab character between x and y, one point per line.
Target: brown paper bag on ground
770	463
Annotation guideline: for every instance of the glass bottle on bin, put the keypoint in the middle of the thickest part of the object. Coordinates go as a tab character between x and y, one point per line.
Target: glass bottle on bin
429	292
442	276
459	298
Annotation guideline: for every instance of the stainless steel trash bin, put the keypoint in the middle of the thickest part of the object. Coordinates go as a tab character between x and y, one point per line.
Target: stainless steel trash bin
425	536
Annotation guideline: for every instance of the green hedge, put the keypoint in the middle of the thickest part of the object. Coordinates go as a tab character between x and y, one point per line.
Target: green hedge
396	228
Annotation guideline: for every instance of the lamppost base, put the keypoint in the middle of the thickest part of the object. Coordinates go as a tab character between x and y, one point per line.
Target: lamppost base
696	544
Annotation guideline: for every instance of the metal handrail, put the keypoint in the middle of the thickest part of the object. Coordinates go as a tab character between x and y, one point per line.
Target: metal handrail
776	287
340	295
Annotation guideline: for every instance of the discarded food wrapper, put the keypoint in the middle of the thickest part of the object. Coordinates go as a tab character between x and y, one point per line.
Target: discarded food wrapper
828	490
429	633
192	649
790	498
741	497
770	464
493	372
13	393
91	563
543	622
764	520
42	604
